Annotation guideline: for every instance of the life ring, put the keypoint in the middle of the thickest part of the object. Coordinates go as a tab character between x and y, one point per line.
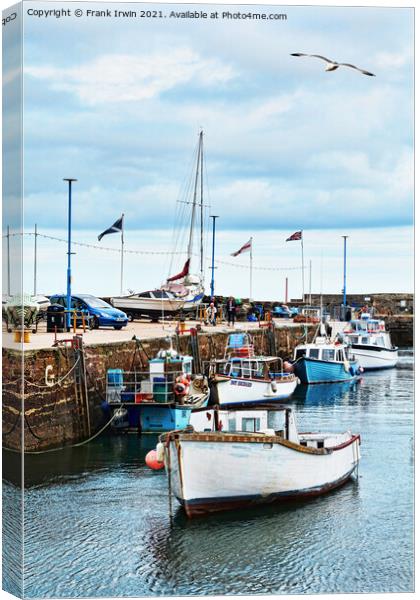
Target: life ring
181	386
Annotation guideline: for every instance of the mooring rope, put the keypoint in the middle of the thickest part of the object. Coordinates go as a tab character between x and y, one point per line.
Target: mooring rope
68	446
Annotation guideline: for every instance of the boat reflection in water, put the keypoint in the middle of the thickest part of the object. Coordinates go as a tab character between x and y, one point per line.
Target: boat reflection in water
326	394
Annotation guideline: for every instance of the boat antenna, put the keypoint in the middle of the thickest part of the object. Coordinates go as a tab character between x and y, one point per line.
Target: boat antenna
201	210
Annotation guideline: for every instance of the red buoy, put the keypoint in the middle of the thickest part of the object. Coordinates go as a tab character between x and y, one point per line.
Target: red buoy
152	461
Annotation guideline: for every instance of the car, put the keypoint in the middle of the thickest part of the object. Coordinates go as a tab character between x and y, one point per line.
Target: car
100	312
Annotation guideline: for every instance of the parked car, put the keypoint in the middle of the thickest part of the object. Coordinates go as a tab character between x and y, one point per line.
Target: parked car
100	312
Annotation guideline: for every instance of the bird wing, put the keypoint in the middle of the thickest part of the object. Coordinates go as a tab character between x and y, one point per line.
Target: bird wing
357	69
314	56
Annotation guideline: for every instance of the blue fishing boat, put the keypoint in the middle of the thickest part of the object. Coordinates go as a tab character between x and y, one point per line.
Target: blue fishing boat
160	399
325	362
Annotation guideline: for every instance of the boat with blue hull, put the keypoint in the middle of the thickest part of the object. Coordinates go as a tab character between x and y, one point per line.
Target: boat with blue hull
158	400
325	362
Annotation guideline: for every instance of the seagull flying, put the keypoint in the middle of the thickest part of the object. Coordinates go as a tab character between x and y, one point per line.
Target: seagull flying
332	65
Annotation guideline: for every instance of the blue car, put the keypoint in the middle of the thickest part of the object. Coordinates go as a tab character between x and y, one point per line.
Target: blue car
100	312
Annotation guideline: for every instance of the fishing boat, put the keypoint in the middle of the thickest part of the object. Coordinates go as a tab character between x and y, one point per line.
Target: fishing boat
323	361
159	399
371	344
242	378
185	290
212	471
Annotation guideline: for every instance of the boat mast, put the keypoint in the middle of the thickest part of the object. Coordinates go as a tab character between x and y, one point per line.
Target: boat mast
201	212
194	207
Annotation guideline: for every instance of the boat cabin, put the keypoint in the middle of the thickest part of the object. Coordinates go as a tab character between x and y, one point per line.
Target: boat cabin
255	367
265	419
324	352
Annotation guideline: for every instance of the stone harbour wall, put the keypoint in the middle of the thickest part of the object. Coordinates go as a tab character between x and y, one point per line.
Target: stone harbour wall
60	415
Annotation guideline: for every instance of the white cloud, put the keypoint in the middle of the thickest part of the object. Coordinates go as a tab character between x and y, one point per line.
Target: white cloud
126	78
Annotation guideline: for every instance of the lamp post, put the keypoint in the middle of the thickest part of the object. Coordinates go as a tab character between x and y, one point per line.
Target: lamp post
345	270
214	217
69	253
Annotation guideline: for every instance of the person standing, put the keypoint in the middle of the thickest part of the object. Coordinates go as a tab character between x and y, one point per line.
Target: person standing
231	310
211	314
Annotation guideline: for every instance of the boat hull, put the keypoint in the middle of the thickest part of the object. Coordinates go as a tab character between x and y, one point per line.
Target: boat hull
153	307
237	391
319	371
373	358
211	476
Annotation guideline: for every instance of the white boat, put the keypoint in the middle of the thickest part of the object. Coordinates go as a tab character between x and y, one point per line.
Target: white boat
212	471
243	378
371	343
154	304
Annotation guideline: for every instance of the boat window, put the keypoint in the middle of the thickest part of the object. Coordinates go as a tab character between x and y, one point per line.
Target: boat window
300	353
225	368
365	340
144	295
246	368
380	342
328	354
159	294
258	369
249	424
232	424
313	353
340	355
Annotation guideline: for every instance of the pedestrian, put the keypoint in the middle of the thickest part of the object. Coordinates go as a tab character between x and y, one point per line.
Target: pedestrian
231	311
211	314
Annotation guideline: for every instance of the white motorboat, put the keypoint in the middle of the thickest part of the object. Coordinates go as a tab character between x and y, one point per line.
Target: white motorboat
244	378
154	304
213	471
371	343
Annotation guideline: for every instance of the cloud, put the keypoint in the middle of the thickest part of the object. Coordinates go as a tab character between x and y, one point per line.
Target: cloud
116	78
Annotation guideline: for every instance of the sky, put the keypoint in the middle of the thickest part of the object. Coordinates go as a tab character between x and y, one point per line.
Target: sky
118	104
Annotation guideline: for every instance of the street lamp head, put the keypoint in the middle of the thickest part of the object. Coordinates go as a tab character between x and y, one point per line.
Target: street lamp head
214	216
69	179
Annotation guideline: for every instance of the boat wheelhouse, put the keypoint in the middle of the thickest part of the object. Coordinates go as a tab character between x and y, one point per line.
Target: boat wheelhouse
213	471
325	362
371	344
241	377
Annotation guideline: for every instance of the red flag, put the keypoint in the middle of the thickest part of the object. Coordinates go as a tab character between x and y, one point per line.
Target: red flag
183	273
245	248
295	236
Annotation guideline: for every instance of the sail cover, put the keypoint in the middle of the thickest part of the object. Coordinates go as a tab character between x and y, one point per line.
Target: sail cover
183	273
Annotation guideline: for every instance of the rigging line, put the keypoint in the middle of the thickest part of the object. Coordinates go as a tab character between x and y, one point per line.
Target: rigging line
180	253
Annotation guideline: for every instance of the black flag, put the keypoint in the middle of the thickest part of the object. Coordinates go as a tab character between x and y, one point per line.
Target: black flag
115	228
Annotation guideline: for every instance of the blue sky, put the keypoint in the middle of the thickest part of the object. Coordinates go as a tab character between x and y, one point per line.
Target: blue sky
118	104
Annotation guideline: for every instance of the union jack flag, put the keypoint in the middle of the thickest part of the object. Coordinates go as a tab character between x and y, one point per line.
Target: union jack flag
295	236
245	248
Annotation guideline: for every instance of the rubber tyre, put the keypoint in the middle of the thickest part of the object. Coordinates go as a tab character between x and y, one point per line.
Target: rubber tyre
118	327
94	324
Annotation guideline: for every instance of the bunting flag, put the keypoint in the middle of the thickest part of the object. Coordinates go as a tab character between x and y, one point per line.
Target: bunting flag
115	228
245	248
295	236
183	273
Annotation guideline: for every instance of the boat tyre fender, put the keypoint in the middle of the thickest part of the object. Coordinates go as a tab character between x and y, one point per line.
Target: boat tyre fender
273	386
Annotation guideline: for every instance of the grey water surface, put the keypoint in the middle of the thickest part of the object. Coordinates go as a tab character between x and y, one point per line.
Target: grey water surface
97	520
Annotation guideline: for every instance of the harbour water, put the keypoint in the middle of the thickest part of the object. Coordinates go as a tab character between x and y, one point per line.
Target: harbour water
97	519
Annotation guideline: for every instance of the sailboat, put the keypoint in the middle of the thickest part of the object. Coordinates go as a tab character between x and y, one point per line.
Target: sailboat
183	291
